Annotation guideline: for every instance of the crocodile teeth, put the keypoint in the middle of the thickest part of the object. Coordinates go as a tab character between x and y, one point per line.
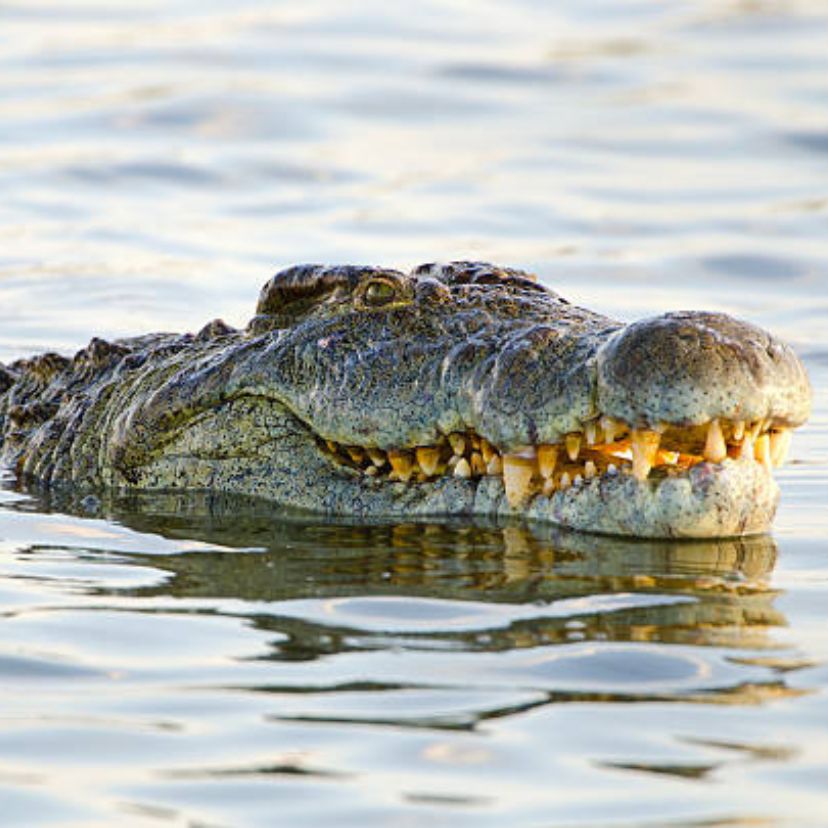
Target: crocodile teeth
762	450
356	454
780	443
462	468
612	428
401	464
715	448
644	445
527	470
495	465
429	460
547	459
517	477
457	443
478	465
591	433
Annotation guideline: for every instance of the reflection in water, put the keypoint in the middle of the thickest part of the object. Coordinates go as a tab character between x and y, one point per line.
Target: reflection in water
249	645
560	587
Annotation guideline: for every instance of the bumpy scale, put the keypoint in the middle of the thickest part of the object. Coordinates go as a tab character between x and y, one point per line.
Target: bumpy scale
458	389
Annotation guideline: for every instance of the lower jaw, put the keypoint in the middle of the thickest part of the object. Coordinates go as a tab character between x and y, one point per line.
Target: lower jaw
728	499
710	501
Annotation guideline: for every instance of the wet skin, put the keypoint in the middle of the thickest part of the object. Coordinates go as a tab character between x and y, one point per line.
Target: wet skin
458	389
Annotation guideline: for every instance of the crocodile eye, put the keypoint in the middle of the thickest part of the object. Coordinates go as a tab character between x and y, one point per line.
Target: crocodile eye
379	292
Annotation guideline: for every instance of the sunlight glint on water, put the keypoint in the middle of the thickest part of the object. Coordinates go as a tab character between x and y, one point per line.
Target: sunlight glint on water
158	161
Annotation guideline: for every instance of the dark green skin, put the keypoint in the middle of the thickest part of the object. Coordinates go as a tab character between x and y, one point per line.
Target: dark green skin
464	346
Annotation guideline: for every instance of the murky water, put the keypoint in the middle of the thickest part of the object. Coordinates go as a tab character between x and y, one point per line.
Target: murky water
206	662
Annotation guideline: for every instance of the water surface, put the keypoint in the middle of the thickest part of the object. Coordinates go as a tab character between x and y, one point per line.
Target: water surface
210	662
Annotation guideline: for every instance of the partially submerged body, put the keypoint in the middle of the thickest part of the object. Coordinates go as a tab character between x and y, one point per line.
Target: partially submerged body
460	389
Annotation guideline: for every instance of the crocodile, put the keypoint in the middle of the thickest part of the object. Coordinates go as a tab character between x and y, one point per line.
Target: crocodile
457	389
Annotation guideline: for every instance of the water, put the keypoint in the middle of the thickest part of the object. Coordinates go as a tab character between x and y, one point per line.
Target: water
205	662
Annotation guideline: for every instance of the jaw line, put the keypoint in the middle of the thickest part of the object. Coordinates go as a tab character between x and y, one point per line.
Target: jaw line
710	500
728	499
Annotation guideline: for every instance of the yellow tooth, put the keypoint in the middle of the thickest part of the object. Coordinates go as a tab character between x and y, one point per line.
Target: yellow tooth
612	428
518	551
463	469
715	448
591	433
356	454
589	470
372	471
487	450
780	443
577	480
518	471
458	443
332	446
401	464
378	457
549	487
478	465
495	465
746	449
573	446
429	459
762	451
738	430
547	459
475	442
644	445
564	482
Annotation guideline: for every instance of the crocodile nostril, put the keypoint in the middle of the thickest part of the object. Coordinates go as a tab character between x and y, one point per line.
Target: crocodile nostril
694	367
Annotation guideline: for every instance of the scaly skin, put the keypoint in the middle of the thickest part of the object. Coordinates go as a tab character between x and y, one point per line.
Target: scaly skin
342	360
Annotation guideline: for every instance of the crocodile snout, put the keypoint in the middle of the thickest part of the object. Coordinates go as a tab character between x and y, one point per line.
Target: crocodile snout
690	367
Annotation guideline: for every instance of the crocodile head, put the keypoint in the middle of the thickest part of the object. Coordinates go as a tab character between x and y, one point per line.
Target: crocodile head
471	389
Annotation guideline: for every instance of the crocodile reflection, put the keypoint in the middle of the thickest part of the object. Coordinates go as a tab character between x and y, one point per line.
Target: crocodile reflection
720	588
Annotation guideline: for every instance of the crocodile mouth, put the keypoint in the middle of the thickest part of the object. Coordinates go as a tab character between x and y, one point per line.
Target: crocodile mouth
607	451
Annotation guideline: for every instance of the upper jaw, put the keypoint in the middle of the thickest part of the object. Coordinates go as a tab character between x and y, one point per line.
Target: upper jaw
669	427
534	385
691	367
